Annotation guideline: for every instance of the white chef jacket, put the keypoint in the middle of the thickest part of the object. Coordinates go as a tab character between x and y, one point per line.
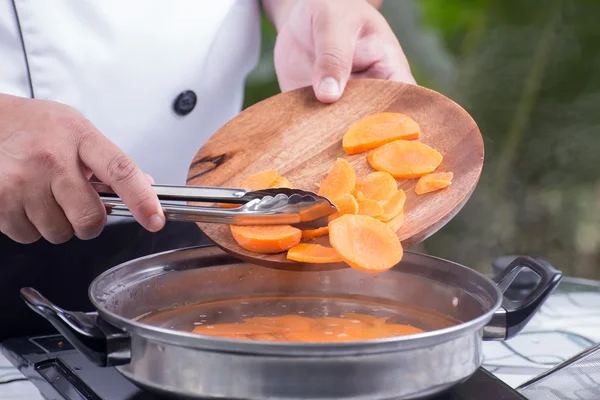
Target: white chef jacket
123	64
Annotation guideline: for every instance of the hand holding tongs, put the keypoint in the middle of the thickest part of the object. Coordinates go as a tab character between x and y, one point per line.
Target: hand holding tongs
277	206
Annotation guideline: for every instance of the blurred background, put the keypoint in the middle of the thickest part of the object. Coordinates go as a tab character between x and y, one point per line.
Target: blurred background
529	74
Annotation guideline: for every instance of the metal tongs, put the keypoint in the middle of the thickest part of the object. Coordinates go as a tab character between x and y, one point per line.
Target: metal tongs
277	206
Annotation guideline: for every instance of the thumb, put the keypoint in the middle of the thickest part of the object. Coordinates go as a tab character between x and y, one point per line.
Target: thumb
334	45
120	172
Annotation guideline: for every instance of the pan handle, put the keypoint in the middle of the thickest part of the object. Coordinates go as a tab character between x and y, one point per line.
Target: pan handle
102	343
512	317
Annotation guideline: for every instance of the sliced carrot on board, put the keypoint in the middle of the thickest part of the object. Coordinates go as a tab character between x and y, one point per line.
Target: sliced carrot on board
313	253
393	206
315	233
379	186
260	180
378	129
281	182
345	204
266	239
370	207
339	181
432	182
360	196
405	159
396	223
365	243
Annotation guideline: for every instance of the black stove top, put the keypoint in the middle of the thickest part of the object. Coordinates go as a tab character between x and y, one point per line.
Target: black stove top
61	373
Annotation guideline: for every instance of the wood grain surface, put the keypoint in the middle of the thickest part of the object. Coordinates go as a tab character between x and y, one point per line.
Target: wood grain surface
302	137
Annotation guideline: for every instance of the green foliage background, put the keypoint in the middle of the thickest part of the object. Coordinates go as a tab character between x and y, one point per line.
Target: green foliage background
529	74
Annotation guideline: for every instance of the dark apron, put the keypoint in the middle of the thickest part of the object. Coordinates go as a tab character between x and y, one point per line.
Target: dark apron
62	273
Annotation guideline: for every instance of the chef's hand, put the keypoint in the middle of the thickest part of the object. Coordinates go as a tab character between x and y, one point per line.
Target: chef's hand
48	152
324	43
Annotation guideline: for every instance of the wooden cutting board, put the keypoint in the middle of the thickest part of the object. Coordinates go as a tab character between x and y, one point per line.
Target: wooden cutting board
301	137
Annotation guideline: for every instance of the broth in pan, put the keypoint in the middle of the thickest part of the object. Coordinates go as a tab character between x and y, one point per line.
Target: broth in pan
300	319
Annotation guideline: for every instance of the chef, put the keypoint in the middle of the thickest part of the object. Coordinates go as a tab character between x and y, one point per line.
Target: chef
126	92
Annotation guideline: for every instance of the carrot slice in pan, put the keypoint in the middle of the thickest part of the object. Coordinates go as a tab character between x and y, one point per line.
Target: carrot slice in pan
313	253
260	180
380	186
339	181
396	223
365	243
405	159
370	207
266	239
378	129
432	182
393	206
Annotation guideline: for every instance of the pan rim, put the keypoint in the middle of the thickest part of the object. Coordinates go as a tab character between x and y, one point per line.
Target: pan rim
308	349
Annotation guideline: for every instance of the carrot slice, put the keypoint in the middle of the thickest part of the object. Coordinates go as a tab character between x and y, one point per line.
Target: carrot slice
315	233
260	180
365	243
405	159
267	239
370	207
313	253
393	206
379	186
433	182
339	181
396	223
360	196
378	129
229	205
345	204
281	182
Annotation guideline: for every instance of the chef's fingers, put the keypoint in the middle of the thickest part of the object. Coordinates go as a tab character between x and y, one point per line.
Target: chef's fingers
15	225
334	44
121	173
379	55
80	202
149	178
45	214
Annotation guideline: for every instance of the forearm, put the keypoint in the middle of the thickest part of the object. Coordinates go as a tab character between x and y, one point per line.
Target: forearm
279	10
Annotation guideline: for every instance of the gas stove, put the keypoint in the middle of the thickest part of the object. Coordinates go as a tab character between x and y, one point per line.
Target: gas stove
61	373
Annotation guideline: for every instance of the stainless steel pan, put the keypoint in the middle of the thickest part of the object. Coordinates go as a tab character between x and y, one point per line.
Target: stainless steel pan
167	358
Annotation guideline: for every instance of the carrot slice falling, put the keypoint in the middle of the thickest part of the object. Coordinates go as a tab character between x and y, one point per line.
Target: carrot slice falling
393	206
365	243
396	223
380	186
378	129
313	253
266	239
260	180
432	182
315	233
370	207
405	159
340	180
